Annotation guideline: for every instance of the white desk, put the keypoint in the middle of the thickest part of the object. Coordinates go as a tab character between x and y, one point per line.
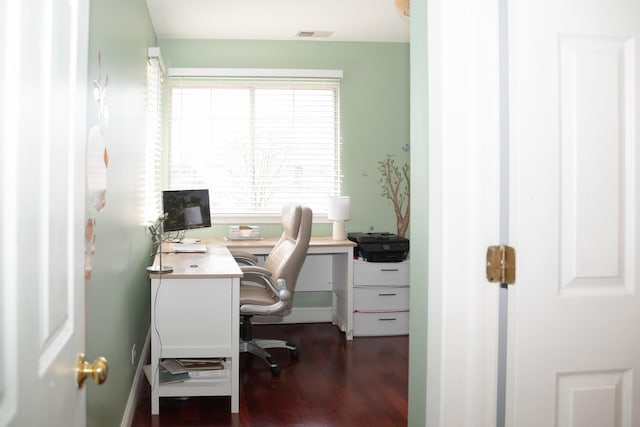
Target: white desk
195	312
328	267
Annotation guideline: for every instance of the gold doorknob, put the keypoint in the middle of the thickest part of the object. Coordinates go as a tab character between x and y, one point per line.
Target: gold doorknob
97	370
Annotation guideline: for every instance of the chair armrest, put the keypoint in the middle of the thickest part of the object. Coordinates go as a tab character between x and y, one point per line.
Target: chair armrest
283	298
260	275
244	258
278	288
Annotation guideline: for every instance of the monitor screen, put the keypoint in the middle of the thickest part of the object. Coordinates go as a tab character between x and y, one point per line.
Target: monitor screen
186	209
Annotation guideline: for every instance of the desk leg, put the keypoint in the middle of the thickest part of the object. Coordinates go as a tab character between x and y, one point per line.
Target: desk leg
155	355
155	403
349	275
235	345
235	397
342	292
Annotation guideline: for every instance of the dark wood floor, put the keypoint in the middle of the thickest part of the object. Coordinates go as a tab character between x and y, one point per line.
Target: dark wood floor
335	382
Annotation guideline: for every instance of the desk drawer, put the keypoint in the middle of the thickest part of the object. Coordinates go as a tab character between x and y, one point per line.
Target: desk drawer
381	273
381	299
381	323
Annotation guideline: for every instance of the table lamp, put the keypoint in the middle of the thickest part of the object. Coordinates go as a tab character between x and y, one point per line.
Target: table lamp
339	212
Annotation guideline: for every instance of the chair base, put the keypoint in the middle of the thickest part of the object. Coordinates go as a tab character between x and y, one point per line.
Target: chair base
257	347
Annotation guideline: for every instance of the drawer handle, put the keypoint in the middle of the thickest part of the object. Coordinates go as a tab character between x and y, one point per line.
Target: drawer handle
387	295
389	269
387	319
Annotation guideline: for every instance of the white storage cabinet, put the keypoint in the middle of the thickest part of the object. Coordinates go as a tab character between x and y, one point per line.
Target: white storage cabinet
380	298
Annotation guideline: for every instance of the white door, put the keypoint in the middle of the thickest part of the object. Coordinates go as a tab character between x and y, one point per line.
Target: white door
43	68
573	345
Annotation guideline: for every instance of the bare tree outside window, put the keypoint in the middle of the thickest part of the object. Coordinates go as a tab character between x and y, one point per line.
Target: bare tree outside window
256	146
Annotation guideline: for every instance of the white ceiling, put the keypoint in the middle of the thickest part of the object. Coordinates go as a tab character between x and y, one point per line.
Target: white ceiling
348	20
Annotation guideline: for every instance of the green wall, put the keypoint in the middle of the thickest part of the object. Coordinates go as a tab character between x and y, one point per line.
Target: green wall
117	298
374	96
419	216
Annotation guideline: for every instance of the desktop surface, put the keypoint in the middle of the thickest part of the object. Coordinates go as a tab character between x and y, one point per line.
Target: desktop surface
215	262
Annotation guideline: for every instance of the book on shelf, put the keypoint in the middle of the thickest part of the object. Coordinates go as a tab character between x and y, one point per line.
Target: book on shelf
167	377
209	375
202	365
173	366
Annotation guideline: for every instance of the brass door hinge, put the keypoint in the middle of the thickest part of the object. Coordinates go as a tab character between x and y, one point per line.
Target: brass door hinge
501	264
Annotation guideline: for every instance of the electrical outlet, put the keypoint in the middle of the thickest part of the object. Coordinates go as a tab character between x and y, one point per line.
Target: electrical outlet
133	355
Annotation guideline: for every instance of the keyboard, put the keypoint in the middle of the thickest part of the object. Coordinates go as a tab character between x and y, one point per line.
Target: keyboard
189	247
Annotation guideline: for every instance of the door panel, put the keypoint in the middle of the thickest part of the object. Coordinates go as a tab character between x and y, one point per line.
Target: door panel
594	399
595	181
42	178
573	355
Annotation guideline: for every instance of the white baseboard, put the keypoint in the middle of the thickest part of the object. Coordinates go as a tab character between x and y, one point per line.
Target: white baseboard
138	378
298	315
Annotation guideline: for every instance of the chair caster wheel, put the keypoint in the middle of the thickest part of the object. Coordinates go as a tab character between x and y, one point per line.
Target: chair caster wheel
295	354
275	369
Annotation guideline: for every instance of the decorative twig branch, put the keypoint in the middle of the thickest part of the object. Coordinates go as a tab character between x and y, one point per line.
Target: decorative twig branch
395	183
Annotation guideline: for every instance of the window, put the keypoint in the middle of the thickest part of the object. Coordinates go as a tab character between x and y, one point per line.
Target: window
256	144
153	202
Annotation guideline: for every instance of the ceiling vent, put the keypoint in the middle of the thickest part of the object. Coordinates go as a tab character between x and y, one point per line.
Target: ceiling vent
316	34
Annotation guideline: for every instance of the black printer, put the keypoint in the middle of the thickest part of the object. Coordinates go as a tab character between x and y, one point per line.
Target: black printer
380	247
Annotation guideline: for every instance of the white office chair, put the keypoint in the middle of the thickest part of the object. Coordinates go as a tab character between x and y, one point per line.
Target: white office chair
269	290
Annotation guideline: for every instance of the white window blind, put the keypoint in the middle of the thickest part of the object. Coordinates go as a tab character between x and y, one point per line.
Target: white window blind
256	143
153	201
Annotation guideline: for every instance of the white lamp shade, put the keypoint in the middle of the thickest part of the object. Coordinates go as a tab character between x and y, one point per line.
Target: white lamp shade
339	208
339	212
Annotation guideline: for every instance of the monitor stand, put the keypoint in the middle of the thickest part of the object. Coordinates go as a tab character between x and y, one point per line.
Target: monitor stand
160	268
157	233
179	237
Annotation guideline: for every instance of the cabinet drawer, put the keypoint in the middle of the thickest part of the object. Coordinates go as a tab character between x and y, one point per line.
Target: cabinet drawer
380	324
380	273
381	299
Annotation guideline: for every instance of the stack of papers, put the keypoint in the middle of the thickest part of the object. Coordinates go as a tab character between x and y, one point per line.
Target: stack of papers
174	370
244	232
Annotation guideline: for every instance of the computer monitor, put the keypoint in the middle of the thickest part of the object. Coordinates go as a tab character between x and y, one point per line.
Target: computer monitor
186	209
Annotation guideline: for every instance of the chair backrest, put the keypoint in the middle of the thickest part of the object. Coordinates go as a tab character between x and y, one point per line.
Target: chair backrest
287	256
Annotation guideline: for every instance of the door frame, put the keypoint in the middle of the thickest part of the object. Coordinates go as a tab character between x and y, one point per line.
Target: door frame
464	144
